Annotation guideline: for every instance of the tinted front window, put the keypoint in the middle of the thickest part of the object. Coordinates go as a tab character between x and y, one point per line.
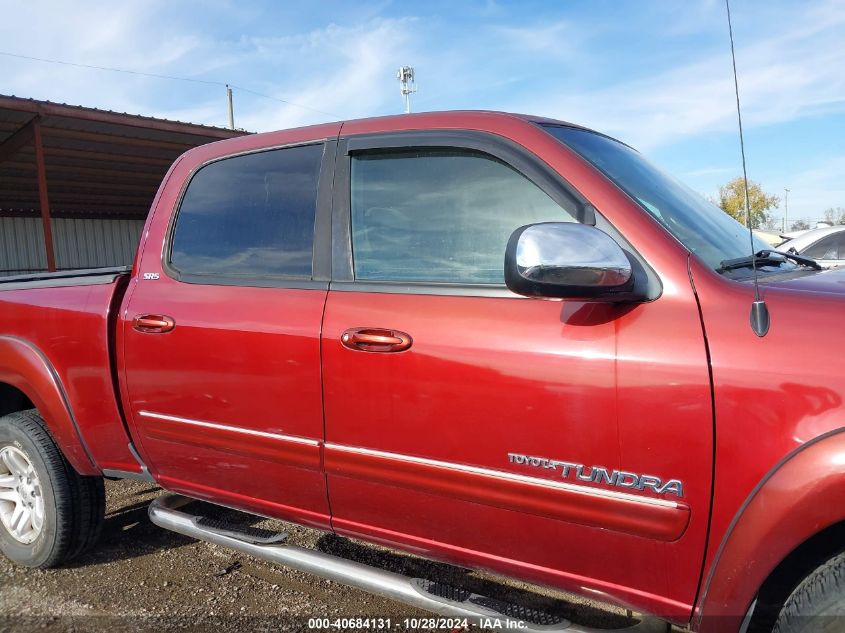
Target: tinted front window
703	228
250	215
440	215
829	247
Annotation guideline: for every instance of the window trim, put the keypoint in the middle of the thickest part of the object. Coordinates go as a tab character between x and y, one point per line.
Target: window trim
517	157
321	248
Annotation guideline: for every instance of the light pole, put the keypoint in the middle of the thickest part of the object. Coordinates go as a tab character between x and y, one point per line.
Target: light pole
231	107
785	208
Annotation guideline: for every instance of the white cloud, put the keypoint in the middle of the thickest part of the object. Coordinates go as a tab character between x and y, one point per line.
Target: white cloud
558	40
337	71
786	70
783	75
790	61
125	35
344	71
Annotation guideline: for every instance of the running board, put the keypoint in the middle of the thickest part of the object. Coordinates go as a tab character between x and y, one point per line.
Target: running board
432	596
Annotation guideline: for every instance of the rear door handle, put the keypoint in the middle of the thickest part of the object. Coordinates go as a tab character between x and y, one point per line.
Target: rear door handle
153	323
373	339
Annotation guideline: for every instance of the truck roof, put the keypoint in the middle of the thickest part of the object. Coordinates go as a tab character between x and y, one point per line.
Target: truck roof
454	119
531	118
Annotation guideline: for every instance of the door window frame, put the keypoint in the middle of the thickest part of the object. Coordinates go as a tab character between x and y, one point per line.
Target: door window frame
518	158
321	253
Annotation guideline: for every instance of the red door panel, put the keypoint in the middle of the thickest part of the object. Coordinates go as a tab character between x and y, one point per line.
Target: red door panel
658	519
227	405
418	441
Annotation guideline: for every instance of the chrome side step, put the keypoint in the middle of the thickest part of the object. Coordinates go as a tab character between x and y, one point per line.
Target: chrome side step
432	596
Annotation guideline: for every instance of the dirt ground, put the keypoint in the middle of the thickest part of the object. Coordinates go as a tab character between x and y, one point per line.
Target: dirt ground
142	578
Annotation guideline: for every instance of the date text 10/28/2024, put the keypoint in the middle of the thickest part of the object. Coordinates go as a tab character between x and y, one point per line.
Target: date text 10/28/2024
433	623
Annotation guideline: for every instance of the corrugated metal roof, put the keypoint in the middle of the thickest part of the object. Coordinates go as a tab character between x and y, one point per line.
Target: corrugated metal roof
28	104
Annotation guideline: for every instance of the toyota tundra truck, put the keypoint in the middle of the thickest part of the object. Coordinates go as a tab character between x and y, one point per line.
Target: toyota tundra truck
503	342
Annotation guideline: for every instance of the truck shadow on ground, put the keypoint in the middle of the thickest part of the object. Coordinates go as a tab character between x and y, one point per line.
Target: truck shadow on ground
507	591
129	534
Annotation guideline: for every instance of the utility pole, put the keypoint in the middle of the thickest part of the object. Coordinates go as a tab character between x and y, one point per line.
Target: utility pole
231	108
785	208
406	85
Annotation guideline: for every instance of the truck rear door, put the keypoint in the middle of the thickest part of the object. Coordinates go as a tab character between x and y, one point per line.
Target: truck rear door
488	429
222	335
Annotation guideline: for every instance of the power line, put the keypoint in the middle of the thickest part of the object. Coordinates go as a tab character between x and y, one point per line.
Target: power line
115	70
159	76
298	105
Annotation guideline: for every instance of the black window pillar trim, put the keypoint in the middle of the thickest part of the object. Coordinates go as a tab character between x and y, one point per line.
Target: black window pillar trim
341	260
321	267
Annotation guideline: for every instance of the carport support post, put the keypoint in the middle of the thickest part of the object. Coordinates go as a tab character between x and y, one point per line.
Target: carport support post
44	200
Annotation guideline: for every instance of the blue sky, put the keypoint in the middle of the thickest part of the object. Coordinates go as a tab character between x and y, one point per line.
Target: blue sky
655	74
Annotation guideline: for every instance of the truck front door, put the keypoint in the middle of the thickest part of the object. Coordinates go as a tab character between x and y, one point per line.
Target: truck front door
492	430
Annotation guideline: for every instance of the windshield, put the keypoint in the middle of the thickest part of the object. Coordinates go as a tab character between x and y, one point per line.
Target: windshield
703	228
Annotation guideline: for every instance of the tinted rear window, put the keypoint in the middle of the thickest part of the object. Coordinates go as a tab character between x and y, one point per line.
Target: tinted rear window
250	215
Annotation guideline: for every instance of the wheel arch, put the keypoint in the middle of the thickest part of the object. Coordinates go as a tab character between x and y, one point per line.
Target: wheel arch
797	509
29	380
799	564
13	399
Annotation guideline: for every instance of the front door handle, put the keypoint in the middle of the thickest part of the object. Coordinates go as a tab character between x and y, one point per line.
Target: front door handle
153	323
374	339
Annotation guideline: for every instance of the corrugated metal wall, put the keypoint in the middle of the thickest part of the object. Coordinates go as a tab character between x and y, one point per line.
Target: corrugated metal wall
21	246
78	243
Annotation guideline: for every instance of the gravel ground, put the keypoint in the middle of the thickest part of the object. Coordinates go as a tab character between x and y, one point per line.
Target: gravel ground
142	578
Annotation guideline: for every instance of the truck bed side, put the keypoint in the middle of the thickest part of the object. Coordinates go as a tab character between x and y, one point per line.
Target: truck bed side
56	337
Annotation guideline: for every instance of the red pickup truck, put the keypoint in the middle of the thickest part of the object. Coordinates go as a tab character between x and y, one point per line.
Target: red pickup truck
496	340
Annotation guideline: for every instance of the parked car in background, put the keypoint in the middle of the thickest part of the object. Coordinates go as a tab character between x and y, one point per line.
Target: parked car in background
825	245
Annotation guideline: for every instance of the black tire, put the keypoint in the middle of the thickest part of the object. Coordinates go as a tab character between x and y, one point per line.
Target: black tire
74	505
818	604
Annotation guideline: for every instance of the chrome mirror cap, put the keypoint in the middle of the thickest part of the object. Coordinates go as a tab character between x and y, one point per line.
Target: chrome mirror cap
567	260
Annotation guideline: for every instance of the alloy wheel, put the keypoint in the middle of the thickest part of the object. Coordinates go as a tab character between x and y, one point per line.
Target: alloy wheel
21	497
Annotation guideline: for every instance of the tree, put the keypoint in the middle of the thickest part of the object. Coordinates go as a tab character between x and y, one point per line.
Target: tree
732	202
834	215
800	225
771	224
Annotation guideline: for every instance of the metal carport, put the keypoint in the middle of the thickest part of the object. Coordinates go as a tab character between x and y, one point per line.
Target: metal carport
76	183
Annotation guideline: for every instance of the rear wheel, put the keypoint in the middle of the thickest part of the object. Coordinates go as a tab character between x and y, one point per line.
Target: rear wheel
818	604
48	512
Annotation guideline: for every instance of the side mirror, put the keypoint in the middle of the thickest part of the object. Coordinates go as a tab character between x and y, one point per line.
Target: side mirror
568	260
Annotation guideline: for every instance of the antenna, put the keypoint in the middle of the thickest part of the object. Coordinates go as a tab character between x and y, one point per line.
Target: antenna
407	85
759	310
